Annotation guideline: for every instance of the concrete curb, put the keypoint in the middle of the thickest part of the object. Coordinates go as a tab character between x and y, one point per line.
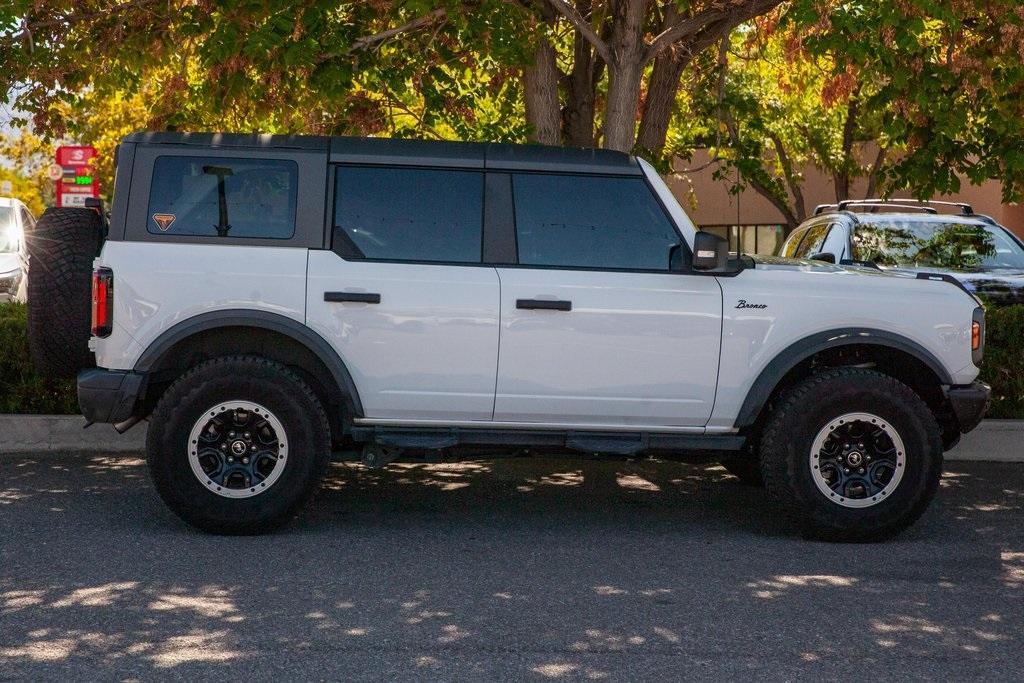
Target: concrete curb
992	441
65	433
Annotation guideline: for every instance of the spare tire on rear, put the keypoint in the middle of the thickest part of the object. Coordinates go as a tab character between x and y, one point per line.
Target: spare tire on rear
61	249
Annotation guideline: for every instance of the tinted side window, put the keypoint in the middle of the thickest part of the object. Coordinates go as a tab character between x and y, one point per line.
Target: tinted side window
404	214
812	241
590	222
223	197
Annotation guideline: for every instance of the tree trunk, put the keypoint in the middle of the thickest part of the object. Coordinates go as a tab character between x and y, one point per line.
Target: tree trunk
842	175
666	74
540	95
661	91
660	103
579	107
620	110
874	172
625	74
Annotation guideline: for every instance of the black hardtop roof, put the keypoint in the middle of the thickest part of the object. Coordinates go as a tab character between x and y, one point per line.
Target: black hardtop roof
497	156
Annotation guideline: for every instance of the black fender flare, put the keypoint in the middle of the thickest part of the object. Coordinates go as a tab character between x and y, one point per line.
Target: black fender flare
801	350
274	322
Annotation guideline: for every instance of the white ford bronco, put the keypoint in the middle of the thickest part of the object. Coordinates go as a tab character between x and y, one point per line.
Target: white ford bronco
268	301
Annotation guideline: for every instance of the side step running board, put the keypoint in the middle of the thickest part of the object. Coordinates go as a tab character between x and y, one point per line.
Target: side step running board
618	443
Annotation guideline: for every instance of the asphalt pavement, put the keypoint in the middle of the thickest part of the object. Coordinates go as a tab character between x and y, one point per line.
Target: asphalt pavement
509	570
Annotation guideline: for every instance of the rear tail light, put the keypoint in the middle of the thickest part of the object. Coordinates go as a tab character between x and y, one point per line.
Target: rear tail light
102	302
978	336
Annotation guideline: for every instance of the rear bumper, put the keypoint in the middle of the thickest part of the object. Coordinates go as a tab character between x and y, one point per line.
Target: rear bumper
970	403
109	395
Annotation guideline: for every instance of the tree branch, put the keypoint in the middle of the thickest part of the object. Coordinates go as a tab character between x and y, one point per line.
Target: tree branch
417	23
873	173
366	42
82	16
761	187
689	26
842	174
790	177
583	26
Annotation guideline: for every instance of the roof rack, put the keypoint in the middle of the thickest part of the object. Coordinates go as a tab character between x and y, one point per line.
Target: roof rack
913	204
846	206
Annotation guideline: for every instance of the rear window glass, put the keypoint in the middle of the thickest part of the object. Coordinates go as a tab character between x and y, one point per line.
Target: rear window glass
405	214
223	197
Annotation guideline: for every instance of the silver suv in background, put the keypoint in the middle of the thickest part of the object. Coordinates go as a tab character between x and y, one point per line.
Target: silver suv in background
15	221
911	237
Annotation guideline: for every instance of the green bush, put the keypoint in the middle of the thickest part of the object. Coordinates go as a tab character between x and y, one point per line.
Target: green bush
1003	367
21	390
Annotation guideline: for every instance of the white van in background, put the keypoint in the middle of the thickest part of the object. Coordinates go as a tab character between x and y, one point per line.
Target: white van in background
15	221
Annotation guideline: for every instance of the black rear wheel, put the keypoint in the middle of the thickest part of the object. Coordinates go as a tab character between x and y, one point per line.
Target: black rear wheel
238	445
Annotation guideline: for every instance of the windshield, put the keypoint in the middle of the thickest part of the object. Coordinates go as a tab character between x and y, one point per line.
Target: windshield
9	236
915	244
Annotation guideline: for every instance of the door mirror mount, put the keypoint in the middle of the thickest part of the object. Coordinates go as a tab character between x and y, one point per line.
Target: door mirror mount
675	257
826	256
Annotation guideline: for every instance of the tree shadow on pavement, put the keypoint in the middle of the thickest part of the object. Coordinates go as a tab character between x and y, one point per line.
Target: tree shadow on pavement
506	569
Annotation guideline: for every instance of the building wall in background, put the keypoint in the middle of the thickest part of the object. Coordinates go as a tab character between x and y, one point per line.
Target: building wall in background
709	204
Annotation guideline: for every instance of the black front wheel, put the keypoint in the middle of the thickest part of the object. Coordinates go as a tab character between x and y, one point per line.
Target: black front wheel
852	455
238	445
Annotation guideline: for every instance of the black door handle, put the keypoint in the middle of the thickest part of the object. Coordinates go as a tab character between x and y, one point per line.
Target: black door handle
354	297
543	305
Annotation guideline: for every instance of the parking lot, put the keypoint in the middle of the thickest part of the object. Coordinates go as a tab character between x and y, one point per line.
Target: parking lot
544	569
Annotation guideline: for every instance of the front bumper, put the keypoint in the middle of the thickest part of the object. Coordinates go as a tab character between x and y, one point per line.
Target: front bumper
109	395
970	403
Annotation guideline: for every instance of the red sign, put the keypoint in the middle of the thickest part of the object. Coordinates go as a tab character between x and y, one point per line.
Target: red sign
77	180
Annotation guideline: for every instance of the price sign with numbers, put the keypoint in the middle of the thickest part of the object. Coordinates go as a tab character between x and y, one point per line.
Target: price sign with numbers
77	180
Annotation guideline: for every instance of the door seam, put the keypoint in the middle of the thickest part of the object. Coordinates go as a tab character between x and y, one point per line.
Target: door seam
497	356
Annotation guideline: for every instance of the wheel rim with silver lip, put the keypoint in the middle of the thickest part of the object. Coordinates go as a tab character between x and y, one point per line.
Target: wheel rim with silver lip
237	449
857	460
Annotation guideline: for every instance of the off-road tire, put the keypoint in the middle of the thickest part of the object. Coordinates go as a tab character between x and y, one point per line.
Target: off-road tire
805	409
238	378
61	248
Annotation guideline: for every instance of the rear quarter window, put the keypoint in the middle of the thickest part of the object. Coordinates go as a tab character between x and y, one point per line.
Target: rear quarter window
223	197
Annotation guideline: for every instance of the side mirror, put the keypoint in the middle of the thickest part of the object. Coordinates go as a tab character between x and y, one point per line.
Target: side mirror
826	256
710	252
